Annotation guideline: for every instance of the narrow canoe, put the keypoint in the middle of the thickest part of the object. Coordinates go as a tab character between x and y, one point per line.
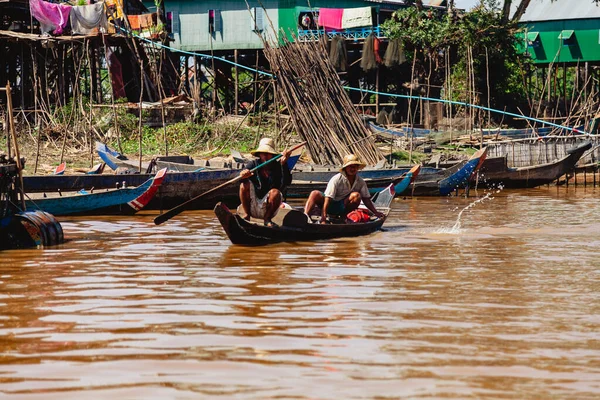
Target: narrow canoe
294	225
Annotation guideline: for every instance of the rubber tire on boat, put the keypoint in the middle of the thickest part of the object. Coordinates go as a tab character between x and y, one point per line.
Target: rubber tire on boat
52	226
50	230
31	217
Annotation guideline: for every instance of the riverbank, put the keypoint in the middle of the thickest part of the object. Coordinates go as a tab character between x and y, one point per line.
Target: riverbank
207	139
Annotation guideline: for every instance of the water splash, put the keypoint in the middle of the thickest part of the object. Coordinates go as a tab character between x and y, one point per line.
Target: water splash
456	228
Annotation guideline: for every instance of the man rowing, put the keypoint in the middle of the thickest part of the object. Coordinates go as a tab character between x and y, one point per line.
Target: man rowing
260	191
344	192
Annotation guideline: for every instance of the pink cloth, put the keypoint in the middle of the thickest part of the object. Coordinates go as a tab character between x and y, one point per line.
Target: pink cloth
331	18
51	16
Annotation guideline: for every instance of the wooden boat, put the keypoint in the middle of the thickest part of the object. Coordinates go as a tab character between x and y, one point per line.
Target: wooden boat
402	131
117	161
531	132
495	172
313	173
294	225
302	189
60	169
448	180
120	200
176	188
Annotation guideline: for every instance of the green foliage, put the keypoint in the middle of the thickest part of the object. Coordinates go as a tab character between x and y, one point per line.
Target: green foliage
480	33
404	156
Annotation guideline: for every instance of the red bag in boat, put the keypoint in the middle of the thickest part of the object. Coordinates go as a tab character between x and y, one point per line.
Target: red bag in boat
358	215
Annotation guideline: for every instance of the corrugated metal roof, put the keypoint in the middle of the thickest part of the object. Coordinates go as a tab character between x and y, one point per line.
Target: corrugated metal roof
546	10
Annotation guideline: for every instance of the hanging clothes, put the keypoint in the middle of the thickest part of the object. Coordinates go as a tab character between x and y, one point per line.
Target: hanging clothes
87	20
147	20
52	17
357	17
331	18
134	22
376	45
116	72
115	7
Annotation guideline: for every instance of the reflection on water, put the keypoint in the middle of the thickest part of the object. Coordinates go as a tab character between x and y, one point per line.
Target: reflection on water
505	307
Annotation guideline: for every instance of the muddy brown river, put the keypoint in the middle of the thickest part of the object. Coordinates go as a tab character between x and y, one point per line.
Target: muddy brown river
504	306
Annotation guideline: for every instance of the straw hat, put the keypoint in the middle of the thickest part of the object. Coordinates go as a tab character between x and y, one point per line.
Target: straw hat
266	145
351	159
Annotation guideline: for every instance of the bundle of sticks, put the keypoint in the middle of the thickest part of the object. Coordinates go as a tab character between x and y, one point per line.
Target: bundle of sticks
320	109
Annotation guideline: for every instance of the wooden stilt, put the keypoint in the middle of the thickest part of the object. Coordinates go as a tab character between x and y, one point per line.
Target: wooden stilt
13	134
377	92
236	88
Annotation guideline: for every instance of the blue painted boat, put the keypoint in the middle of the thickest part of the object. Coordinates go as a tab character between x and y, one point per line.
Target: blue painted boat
116	160
120	200
447	180
401	132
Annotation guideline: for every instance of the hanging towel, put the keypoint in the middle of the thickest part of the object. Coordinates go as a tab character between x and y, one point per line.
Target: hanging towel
357	17
86	20
331	18
52	17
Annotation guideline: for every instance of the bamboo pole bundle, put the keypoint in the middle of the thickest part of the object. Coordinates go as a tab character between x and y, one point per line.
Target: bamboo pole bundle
320	109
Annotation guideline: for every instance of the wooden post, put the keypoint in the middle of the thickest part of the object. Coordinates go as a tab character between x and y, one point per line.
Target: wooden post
585	80
140	112
198	79
187	73
377	92
237	100
11	122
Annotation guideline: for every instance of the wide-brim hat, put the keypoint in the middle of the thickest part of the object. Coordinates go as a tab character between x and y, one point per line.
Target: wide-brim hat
266	145
351	159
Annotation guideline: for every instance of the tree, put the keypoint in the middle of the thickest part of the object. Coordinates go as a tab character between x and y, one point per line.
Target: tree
478	47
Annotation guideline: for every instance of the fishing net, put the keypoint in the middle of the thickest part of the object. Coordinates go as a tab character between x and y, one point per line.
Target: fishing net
368	61
338	55
394	55
383	117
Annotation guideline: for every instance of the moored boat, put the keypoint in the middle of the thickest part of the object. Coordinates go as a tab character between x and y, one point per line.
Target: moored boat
495	171
301	189
448	180
122	200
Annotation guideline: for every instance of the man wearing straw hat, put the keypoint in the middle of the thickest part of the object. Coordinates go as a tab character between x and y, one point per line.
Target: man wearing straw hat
344	192
260	191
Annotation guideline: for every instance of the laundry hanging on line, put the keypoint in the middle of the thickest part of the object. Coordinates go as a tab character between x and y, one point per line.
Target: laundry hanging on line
53	17
89	19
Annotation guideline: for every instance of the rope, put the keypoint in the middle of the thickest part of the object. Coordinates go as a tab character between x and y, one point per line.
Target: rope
459	103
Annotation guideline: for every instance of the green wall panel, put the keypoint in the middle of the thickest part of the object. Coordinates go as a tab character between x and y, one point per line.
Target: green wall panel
584	46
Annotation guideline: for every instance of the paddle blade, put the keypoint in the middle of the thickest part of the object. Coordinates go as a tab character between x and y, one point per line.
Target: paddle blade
167	215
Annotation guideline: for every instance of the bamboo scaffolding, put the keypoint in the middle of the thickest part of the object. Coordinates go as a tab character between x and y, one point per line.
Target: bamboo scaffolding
321	111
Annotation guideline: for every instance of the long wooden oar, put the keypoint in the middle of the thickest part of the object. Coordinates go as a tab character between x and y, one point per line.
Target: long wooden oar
176	210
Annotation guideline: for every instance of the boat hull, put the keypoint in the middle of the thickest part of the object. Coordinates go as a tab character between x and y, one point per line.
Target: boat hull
113	201
240	231
495	172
